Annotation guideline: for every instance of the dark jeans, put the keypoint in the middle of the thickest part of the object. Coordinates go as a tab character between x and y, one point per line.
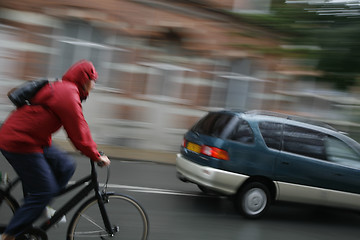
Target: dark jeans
42	176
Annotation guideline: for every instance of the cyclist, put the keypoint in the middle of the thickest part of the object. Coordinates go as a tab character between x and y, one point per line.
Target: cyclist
25	141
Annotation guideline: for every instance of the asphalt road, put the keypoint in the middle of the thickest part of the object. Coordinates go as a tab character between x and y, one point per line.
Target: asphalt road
178	211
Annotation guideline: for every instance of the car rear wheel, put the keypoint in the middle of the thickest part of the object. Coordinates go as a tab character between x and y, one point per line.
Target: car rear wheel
253	200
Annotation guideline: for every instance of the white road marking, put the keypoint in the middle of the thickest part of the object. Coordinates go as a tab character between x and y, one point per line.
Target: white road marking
153	190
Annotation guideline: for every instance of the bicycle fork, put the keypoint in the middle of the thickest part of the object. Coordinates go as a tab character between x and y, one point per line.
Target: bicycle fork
102	199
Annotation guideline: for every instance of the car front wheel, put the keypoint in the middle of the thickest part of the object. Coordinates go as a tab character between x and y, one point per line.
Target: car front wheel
253	200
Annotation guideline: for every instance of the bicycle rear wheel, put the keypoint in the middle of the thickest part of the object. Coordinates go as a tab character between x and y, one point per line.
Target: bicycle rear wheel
127	218
8	205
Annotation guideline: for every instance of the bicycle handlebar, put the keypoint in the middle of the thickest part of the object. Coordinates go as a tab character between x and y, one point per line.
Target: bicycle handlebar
101	164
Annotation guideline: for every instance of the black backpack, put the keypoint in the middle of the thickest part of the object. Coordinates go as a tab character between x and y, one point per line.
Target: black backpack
22	94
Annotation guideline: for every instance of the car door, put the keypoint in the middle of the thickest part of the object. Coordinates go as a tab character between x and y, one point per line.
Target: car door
302	172
345	167
268	147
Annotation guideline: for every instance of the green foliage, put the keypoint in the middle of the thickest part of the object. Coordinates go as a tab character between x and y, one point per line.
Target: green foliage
336	37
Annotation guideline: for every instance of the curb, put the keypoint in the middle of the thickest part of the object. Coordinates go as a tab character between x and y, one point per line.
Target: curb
119	152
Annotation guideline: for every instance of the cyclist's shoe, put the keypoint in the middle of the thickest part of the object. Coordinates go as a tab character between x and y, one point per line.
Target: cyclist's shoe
4	179
49	212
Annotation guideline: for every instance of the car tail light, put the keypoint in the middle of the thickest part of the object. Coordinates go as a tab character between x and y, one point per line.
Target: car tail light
206	150
215	152
184	142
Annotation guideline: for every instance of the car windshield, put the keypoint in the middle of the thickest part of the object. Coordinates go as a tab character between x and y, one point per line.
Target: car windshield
351	142
214	124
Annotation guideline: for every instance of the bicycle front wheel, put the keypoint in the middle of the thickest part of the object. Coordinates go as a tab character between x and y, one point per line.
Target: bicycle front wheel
8	205
127	218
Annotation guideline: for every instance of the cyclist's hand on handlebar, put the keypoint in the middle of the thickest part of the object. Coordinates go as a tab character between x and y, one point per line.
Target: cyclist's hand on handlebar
103	161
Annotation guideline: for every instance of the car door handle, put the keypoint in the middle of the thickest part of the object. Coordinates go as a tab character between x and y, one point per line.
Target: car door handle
339	174
285	163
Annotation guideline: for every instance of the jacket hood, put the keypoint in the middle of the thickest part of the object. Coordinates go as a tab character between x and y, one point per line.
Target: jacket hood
80	73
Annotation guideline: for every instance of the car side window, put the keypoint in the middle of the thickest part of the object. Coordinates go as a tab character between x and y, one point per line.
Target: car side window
242	132
339	152
271	133
304	142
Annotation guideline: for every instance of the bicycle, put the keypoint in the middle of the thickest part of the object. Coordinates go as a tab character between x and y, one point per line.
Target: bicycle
105	215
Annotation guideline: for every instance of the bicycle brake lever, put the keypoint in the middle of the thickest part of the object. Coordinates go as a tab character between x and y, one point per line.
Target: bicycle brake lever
101	164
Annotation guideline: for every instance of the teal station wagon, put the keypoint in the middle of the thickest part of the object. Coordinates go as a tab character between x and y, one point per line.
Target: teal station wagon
260	157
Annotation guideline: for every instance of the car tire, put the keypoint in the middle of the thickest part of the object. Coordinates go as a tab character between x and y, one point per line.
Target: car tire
253	200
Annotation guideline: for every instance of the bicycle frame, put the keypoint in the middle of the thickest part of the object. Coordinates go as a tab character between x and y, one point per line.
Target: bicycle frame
93	185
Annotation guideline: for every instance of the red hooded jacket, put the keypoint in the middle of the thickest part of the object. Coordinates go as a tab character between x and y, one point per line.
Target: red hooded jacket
29	128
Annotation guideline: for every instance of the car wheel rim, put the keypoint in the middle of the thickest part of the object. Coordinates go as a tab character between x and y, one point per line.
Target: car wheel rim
254	201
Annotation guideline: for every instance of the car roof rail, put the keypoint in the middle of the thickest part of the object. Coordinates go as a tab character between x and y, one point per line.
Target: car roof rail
292	117
238	110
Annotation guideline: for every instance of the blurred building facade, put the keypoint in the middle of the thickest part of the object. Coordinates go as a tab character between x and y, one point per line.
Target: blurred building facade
162	64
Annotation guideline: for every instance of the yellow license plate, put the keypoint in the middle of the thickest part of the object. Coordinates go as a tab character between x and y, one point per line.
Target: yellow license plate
193	147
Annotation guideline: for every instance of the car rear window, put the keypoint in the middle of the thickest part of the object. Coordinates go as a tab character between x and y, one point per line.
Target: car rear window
213	124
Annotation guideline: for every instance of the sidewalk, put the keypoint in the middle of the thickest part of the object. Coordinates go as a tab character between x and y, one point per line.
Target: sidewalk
126	153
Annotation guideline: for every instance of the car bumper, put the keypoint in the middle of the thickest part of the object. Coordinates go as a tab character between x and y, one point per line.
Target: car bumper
218	180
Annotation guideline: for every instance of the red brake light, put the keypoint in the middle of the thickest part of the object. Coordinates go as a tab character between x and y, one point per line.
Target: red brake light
214	152
184	142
